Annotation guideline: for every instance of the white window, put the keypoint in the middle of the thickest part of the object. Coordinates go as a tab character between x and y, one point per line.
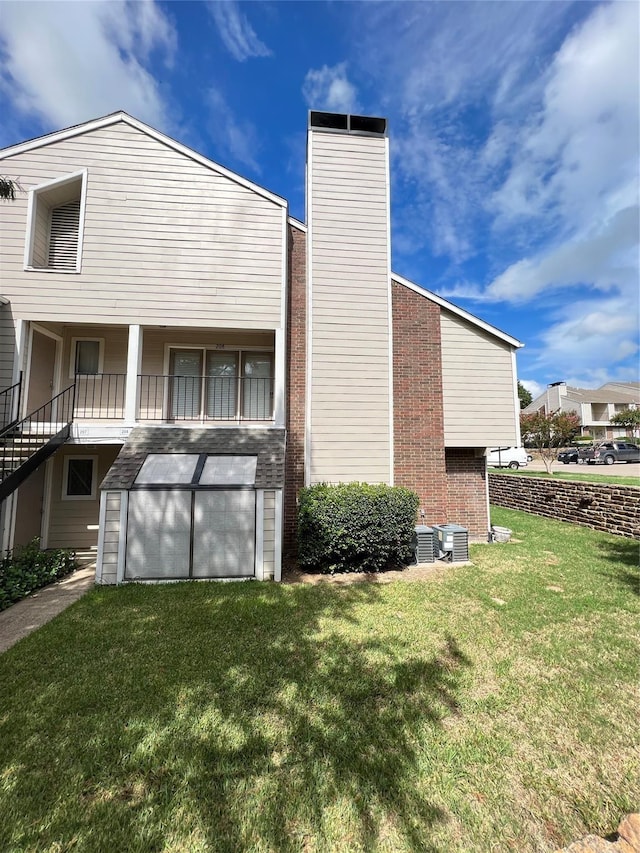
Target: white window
79	478
87	356
220	384
55	224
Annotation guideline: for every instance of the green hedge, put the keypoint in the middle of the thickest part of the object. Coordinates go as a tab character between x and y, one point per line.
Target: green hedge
28	568
355	527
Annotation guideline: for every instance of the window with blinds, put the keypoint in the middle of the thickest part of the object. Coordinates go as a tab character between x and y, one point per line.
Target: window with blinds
63	236
55	224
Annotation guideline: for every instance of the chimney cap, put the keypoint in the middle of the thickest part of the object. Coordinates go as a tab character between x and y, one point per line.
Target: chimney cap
347	123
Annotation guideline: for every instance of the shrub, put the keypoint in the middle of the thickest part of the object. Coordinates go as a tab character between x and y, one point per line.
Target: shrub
355	527
28	568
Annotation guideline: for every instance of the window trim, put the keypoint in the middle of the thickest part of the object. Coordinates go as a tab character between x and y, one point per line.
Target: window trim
72	359
34	192
65	478
239	350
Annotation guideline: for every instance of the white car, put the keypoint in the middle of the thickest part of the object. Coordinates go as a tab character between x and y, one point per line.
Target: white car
507	457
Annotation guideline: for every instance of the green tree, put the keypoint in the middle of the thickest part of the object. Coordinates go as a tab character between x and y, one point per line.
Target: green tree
628	418
548	432
524	396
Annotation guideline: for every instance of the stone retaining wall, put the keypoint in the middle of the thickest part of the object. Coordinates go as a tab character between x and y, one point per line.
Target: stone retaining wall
611	508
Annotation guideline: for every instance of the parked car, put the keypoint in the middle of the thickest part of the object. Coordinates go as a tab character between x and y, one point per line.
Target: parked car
611	451
569	455
507	457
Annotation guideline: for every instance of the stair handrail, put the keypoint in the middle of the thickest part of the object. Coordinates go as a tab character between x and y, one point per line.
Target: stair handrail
52	403
8	401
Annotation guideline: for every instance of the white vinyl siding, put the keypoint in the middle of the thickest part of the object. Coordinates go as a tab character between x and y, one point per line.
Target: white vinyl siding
74	523
7	346
109	569
164	236
477	386
349	245
269	536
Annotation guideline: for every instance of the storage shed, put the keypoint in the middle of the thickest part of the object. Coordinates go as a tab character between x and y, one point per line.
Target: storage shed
193	503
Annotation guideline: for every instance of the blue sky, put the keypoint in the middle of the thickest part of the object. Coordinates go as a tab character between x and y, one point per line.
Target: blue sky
514	134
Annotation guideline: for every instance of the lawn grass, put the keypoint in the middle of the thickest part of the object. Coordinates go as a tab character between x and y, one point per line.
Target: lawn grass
565	474
489	709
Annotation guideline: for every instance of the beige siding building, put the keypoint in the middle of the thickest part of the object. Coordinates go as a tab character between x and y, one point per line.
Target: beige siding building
178	355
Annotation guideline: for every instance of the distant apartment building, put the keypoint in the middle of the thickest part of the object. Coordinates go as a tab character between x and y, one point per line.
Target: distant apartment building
594	406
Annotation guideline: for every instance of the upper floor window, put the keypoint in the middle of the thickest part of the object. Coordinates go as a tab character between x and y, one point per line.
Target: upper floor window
55	224
87	356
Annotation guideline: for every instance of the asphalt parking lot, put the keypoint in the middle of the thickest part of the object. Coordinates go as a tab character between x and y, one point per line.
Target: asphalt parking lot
618	469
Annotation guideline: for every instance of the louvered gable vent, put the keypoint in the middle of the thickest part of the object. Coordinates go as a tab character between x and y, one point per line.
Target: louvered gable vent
63	240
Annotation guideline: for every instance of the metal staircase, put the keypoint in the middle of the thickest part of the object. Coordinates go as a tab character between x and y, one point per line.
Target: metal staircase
26	444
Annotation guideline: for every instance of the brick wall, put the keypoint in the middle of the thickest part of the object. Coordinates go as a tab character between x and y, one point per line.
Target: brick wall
418	421
611	508
467	491
451	486
296	380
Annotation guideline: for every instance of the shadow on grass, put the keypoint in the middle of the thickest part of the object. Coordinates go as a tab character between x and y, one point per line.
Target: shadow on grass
624	554
227	718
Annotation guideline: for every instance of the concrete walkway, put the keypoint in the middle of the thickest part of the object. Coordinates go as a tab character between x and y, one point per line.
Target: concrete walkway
38	608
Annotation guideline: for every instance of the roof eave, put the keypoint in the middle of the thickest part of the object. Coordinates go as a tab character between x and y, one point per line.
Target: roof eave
114	118
460	312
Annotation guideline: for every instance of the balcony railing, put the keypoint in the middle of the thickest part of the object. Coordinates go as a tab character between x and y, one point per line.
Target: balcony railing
205	398
100	396
176	398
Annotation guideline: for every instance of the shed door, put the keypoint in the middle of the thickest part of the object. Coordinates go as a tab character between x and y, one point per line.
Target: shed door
158	534
224	534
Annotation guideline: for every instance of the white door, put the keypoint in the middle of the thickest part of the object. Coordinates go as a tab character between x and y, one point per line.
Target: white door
222	385
256	379
224	533
186	384
158	534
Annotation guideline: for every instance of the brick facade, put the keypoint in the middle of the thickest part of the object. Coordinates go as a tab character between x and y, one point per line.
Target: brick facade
296	380
418	419
467	491
612	508
451	485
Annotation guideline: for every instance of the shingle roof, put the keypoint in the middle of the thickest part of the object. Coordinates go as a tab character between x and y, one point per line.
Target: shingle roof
600	395
267	444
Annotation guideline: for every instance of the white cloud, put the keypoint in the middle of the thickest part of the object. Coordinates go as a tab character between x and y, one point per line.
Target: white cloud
329	89
236	32
588	335
605	257
235	138
515	151
578	154
65	63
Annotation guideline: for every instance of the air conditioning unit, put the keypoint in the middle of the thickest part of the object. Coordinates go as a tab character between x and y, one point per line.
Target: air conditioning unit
424	542
453	542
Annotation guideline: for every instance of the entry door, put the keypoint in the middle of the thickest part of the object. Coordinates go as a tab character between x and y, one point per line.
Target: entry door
42	374
186	385
256	397
224	534
222	385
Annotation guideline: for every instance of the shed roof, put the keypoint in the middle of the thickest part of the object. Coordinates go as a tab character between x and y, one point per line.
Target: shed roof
267	444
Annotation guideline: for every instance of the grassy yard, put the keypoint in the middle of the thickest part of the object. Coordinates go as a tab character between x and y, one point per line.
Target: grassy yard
492	708
576	473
